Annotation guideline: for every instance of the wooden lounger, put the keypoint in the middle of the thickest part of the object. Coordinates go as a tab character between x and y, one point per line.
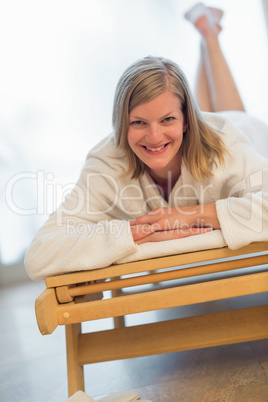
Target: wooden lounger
64	303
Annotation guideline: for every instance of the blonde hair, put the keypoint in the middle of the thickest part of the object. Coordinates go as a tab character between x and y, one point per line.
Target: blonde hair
144	80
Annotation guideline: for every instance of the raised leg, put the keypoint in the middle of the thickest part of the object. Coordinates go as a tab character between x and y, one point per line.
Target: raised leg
224	94
202	91
215	87
75	371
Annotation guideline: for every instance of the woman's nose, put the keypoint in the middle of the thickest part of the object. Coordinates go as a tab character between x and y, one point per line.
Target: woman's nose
154	134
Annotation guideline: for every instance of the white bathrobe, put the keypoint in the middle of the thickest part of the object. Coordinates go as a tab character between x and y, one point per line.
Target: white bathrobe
91	228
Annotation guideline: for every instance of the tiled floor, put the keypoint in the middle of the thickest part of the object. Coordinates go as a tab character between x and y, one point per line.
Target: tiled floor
33	368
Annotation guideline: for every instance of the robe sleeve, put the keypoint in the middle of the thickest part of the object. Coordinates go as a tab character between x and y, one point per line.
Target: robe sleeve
242	207
87	231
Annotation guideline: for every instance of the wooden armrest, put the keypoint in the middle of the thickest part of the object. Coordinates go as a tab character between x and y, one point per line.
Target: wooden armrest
45	310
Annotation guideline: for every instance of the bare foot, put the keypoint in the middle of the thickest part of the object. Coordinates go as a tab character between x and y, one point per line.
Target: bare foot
205	19
217	13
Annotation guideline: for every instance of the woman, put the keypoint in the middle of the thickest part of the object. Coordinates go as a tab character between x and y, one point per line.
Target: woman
167	172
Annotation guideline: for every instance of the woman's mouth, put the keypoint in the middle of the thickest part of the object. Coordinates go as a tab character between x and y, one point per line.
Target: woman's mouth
155	149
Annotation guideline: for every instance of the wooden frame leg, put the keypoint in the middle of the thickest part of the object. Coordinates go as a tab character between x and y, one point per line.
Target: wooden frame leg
119	322
75	371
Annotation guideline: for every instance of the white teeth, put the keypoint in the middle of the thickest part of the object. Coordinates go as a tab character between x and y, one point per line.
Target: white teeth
155	149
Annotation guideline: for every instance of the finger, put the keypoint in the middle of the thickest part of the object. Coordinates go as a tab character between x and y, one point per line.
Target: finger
149	218
172	234
140	231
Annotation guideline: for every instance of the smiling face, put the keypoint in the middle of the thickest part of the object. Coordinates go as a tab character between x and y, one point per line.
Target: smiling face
155	134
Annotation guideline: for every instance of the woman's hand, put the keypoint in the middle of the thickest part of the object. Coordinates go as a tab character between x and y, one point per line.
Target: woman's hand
174	223
168	234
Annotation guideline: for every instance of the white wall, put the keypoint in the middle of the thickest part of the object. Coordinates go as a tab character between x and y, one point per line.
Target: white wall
60	61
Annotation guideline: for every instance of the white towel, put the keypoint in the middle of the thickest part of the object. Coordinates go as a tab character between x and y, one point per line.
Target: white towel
203	241
121	396
80	396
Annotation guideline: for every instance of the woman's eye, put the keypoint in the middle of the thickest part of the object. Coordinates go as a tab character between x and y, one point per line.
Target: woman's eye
168	119
137	122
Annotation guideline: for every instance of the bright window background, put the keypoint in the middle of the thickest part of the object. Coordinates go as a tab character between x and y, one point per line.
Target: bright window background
60	62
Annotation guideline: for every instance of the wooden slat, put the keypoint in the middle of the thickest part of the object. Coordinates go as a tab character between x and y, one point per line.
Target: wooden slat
153	264
161	277
165	298
175	335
